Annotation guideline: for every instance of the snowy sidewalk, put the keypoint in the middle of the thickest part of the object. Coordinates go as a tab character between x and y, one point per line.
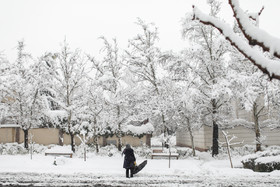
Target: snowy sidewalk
79	179
107	171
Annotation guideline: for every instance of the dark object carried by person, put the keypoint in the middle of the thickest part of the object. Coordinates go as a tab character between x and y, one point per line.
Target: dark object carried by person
139	167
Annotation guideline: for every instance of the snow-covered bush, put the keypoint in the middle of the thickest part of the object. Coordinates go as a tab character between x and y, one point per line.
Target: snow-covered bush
237	151
184	152
80	150
158	140
265	161
109	150
12	149
143	151
39	149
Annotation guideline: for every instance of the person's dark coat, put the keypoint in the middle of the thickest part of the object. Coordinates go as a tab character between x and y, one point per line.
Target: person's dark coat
129	158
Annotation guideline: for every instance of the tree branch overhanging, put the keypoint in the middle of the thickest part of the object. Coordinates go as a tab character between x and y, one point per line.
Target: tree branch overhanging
267	66
253	34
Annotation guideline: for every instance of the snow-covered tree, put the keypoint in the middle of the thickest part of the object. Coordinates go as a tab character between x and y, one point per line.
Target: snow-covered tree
187	113
254	36
94	104
207	62
116	92
4	72
68	72
251	92
144	61
22	92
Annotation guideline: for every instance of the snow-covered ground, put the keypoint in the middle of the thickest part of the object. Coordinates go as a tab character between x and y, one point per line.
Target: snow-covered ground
104	170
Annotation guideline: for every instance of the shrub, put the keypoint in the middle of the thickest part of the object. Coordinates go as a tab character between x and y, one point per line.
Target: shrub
12	149
143	151
265	161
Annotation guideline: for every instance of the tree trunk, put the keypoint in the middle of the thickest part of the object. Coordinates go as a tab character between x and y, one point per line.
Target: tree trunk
97	147
60	138
25	138
119	130
119	144
164	131
215	143
215	146
191	135
72	142
257	127
95	140
192	142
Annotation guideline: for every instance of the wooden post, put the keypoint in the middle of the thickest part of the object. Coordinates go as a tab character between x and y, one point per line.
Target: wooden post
169	156
85	154
228	148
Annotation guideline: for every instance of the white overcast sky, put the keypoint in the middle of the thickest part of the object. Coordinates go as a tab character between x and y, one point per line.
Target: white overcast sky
43	24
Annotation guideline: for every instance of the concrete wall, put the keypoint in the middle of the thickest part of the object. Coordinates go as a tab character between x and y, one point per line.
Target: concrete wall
200	138
67	140
10	135
203	137
7	135
46	136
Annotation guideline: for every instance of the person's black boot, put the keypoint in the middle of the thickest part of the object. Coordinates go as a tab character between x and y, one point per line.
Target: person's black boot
127	173
131	172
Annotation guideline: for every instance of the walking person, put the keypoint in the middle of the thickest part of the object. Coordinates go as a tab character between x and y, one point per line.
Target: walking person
129	160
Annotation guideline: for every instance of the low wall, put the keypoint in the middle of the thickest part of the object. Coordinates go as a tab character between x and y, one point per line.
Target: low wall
203	137
44	136
47	136
183	138
9	135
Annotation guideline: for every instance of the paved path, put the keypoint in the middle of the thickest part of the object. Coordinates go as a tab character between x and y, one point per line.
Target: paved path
43	179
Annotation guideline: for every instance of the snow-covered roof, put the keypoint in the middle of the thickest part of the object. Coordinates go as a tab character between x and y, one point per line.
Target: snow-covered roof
8	125
56	113
147	128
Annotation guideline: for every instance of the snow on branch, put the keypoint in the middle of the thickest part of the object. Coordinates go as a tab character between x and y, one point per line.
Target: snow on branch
272	44
255	16
255	35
